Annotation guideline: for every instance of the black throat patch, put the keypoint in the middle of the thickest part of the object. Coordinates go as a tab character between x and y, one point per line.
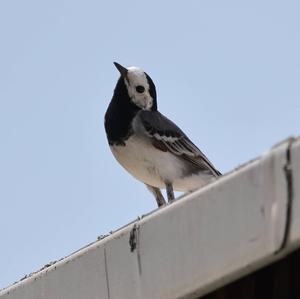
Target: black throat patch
119	115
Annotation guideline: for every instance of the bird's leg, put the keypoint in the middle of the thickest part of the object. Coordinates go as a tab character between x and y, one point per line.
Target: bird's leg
158	196
170	192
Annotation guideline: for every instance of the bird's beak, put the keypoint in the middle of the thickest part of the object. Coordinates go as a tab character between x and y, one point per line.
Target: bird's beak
123	70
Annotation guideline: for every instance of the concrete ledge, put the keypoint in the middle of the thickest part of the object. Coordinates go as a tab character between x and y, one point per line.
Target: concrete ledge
244	221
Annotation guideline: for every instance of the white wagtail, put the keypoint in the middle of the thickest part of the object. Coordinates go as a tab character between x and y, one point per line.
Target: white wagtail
149	145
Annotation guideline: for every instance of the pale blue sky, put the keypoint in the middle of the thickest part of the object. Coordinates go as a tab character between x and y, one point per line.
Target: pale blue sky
228	74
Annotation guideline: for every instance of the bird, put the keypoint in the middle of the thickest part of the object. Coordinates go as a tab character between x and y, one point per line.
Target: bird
152	148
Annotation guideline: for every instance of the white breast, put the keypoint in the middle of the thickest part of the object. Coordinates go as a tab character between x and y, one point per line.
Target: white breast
146	163
154	167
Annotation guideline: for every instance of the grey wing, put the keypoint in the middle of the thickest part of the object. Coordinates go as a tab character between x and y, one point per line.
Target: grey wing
166	136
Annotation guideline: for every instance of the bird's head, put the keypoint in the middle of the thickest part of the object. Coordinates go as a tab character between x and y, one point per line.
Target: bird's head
139	87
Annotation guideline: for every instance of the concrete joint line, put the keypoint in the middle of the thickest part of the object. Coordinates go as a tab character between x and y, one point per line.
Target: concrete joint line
106	273
288	170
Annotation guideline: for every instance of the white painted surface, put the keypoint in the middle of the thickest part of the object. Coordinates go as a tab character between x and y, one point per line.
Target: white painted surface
203	241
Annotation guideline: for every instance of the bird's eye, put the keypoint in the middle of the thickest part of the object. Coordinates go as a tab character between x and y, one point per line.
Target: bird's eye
140	89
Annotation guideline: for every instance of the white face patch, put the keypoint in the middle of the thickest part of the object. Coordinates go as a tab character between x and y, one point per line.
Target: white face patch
138	88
